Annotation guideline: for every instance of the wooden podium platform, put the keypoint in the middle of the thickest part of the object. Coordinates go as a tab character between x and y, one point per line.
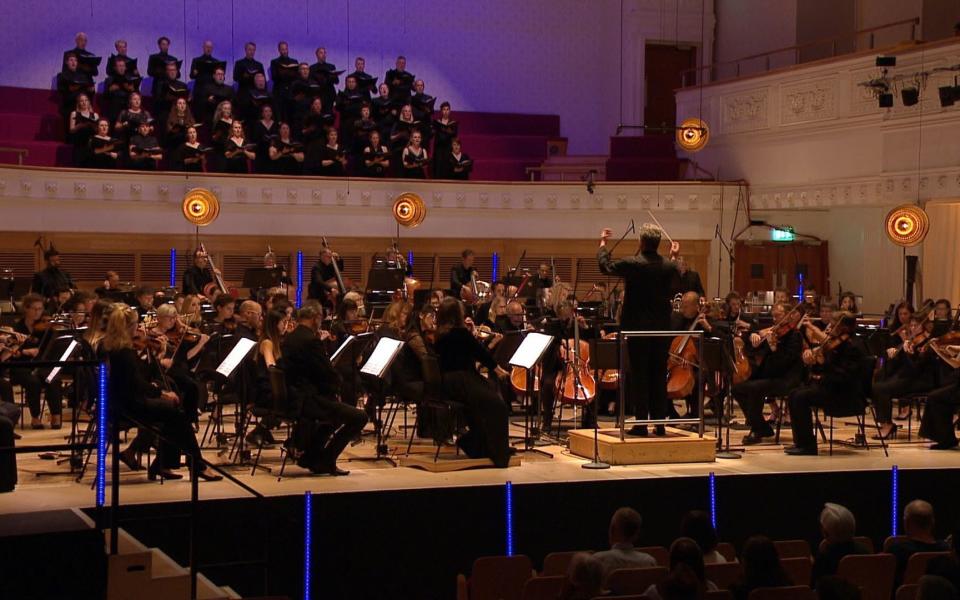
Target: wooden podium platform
678	446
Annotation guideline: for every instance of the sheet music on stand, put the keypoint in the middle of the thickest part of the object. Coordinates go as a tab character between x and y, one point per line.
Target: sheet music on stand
531	350
65	357
343	346
382	357
239	351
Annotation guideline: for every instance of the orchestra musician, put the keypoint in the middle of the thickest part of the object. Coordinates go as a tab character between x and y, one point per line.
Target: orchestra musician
140	398
269	355
486	413
52	280
779	370
183	351
650	283
689	279
34	382
312	385
199	275
838	388
323	279
909	370
462	274
937	423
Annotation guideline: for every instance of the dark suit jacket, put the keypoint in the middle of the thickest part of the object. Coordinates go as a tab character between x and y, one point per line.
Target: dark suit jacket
307	367
690	282
650	282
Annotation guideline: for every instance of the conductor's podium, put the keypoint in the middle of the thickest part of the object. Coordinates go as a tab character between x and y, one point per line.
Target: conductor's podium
678	446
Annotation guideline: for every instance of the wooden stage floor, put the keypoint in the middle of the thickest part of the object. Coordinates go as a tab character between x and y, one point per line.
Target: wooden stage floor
47	492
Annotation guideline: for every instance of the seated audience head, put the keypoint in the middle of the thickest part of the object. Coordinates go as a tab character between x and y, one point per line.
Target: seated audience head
935	587
761	562
584	577
837	523
918	520
681	584
686	551
697	526
625	526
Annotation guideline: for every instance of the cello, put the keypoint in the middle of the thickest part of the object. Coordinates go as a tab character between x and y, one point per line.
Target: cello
575	383
682	359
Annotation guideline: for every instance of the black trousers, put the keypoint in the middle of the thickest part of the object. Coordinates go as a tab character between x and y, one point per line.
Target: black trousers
647	378
937	423
345	421
750	395
802	402
176	432
486	414
33	385
896	386
8	460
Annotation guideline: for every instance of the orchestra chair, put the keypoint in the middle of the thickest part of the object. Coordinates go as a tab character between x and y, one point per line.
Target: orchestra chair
727	551
659	554
495	578
872	573
861	416
282	411
793	549
799	569
434	399
917	565
723	575
892	540
556	563
543	587
634	581
907	591
914	401
793	592
718	595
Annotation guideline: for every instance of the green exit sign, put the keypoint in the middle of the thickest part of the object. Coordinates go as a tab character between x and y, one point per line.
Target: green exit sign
783	235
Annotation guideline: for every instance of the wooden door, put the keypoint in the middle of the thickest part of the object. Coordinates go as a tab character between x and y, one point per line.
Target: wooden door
664	67
761	265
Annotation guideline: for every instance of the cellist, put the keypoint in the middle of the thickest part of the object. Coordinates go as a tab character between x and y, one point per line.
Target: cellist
691	317
779	371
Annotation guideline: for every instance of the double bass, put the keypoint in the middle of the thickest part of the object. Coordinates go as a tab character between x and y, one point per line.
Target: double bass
341	287
217	285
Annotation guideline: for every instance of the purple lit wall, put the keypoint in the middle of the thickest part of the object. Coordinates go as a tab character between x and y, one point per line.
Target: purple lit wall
534	56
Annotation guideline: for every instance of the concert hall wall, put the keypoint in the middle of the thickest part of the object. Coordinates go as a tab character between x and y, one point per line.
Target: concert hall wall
537	56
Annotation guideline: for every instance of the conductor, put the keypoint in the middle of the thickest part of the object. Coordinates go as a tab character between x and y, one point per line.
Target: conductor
650	282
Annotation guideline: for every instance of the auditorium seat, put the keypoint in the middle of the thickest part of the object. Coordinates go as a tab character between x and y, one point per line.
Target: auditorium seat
917	565
634	581
556	563
793	549
907	591
794	592
495	578
723	575
891	540
727	551
799	569
659	554
543	587
873	573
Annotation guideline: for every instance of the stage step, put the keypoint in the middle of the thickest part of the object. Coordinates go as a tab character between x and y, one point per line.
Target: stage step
448	462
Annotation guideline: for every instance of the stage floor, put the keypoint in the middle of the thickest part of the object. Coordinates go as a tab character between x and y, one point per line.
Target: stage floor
47	492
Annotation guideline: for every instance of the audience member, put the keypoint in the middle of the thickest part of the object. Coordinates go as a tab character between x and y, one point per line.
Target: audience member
918	526
948	566
761	567
934	587
696	525
623	534
838	526
685	555
584	577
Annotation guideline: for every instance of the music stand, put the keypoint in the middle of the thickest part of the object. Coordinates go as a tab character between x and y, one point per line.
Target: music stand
528	356
60	347
718	358
261	277
604	355
377	366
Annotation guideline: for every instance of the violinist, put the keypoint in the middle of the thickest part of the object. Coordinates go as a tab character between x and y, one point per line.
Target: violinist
650	282
249	318
189	310
183	347
269	354
937	423
913	371
144	298
225	305
323	278
346	321
838	389
942	313
30	328
51	281
407	370
312	386
848	303
137	396
485	411
737	321
198	276
780	370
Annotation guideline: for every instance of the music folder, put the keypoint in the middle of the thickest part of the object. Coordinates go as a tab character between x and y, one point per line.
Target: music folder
351	342
239	351
531	349
382	357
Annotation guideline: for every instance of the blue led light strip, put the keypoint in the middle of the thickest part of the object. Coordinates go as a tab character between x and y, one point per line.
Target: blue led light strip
299	278
894	498
496	268
509	517
307	542
713	500
102	436
410	260
173	267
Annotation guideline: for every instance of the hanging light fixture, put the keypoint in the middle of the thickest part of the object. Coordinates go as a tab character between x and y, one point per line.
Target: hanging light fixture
693	134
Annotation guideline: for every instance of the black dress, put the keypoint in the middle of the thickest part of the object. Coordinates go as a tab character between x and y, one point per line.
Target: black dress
376	169
443	136
262	136
458	167
485	411
285	163
144	143
335	168
238	162
86	126
180	155
219	134
103	160
413	164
